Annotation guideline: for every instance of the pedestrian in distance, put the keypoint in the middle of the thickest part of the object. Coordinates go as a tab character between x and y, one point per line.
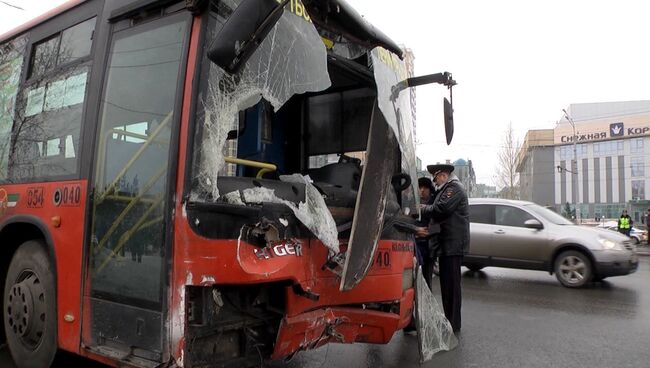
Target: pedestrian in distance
450	209
625	223
646	219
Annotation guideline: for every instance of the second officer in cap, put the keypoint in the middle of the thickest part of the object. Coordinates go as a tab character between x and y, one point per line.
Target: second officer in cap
450	209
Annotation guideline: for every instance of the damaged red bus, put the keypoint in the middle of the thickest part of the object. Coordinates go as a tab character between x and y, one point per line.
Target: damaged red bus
202	183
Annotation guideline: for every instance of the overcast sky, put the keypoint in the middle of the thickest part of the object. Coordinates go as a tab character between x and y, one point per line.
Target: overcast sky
515	61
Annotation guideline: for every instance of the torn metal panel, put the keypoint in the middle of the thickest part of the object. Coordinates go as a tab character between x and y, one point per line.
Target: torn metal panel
371	202
291	60
435	333
389	71
313	212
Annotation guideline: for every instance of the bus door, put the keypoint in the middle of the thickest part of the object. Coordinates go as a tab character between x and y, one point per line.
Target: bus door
128	252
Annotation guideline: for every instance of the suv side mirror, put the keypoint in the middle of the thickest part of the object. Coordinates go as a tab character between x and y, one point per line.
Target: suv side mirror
533	224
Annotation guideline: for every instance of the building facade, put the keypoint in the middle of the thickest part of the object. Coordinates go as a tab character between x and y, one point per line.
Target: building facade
606	170
409	61
536	174
485	191
464	170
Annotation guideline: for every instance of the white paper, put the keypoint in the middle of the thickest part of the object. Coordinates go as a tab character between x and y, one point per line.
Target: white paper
54	95
35	99
69	147
75	90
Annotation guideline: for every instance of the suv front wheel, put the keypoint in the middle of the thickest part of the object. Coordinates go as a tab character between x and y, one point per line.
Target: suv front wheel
573	269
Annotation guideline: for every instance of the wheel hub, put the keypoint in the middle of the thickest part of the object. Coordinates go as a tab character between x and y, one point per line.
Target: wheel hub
573	269
25	309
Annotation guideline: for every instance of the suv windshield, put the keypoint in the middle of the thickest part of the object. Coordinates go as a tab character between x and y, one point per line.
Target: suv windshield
548	215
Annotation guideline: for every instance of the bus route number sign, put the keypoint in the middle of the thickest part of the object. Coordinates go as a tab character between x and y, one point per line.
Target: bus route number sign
35	197
68	196
382	259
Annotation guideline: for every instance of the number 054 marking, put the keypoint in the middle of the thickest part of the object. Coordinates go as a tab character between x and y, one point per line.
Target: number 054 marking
35	197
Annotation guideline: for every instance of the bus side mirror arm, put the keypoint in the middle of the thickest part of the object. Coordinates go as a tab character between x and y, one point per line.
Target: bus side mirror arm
440	78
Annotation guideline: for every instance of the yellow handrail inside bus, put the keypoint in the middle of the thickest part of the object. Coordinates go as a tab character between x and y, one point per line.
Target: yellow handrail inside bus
133	159
127	209
263	166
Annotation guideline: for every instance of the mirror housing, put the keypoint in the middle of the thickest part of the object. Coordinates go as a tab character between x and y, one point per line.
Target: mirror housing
533	224
244	31
449	120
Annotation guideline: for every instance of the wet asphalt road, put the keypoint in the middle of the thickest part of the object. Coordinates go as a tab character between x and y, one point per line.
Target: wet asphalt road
515	318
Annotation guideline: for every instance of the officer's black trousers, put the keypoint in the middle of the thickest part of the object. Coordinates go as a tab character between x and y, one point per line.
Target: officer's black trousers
450	288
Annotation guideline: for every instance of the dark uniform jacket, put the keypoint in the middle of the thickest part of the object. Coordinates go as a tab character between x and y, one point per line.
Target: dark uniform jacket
450	210
429	244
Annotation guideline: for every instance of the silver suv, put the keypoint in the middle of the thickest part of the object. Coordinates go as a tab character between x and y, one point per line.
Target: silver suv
524	235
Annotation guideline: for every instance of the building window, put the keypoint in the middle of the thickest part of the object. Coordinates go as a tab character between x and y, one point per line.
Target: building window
637	165
582	150
566	152
638	189
609	148
63	48
636	145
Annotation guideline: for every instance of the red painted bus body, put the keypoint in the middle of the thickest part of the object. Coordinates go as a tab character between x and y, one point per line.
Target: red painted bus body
145	270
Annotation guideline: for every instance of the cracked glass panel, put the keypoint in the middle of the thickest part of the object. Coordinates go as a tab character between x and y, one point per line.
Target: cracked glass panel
48	128
11	64
389	70
435	333
313	212
291	60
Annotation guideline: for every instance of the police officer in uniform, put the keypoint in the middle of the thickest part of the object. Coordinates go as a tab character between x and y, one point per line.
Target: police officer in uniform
450	209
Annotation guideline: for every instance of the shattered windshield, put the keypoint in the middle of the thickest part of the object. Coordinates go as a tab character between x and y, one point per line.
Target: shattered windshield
264	122
291	60
389	70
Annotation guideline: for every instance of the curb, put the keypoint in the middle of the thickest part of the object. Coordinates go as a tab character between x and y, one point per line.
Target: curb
646	254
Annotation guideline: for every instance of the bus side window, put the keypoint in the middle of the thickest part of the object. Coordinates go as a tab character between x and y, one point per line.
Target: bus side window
47	130
11	65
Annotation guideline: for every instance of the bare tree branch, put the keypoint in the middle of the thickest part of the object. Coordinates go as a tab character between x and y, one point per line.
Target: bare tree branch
507	178
11	5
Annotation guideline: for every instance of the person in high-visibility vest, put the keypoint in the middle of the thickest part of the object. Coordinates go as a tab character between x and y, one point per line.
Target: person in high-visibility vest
625	223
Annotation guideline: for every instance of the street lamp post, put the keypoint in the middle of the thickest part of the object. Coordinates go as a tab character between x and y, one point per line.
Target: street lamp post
575	159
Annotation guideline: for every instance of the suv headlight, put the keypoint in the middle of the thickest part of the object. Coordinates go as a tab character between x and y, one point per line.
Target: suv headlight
609	244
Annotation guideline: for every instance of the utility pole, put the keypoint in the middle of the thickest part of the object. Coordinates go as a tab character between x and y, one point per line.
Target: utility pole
575	172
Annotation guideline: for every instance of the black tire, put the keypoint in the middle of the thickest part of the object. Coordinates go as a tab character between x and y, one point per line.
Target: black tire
29	308
573	269
636	241
474	267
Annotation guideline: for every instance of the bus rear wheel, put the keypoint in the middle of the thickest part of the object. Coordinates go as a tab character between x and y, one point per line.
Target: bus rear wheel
29	307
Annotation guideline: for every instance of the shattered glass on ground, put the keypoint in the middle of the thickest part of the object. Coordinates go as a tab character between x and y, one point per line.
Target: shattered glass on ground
435	333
